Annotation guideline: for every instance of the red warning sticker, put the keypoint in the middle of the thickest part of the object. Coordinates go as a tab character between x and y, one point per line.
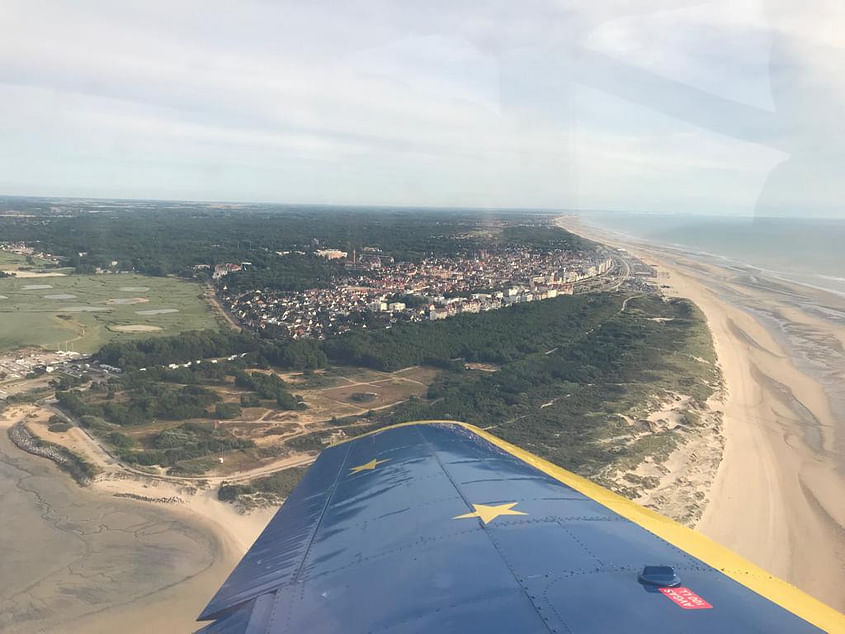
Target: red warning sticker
686	598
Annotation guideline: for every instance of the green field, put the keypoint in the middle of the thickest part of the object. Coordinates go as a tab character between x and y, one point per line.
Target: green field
12	261
82	312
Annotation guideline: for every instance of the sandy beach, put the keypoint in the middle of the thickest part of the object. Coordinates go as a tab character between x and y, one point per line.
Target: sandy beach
95	559
777	497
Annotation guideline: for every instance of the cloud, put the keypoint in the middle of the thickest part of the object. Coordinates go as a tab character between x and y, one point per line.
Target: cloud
667	105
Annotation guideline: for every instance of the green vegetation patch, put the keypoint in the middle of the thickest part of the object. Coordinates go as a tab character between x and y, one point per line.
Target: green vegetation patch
14	262
141	404
132	413
500	336
190	346
175	446
269	386
83	312
227	410
271	488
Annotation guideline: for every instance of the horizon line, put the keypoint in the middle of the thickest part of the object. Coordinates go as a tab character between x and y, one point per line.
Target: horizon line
383	206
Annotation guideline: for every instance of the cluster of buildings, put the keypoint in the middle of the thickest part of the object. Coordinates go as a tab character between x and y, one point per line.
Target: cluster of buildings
376	291
24	250
221	270
23	363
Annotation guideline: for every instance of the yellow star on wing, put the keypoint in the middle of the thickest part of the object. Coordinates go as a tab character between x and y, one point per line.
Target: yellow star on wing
488	513
368	466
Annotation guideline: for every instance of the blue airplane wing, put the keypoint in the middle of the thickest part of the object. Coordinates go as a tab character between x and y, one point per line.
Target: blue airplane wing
438	526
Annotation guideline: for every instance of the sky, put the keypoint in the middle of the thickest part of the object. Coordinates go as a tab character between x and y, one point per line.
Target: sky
671	106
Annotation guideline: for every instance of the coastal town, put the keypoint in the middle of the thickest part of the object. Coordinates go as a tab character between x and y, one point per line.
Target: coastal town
373	290
378	291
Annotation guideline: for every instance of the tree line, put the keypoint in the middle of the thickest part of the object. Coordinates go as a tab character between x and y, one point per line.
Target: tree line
207	344
496	336
168	239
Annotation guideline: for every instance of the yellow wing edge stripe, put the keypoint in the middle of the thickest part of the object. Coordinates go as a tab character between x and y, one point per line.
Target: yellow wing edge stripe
715	555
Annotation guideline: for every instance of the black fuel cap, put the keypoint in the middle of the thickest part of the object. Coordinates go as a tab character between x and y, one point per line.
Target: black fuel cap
663	576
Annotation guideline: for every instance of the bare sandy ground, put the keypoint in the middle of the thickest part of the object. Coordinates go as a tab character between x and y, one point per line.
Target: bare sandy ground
778	497
27	274
135	328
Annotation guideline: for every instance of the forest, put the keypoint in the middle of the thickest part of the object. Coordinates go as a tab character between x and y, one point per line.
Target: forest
161	239
562	400
496	336
207	344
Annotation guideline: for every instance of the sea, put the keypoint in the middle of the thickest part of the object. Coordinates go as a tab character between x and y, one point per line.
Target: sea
804	250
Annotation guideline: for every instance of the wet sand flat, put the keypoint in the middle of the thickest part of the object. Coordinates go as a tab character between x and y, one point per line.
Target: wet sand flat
110	557
78	561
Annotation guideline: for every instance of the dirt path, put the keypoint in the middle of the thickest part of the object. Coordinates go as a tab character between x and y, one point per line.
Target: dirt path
211	298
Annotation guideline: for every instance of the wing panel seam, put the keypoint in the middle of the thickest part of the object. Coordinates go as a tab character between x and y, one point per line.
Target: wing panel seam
489	536
311	539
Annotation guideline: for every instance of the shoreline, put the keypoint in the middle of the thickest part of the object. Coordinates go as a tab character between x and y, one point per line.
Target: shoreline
777	495
176	606
124	553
